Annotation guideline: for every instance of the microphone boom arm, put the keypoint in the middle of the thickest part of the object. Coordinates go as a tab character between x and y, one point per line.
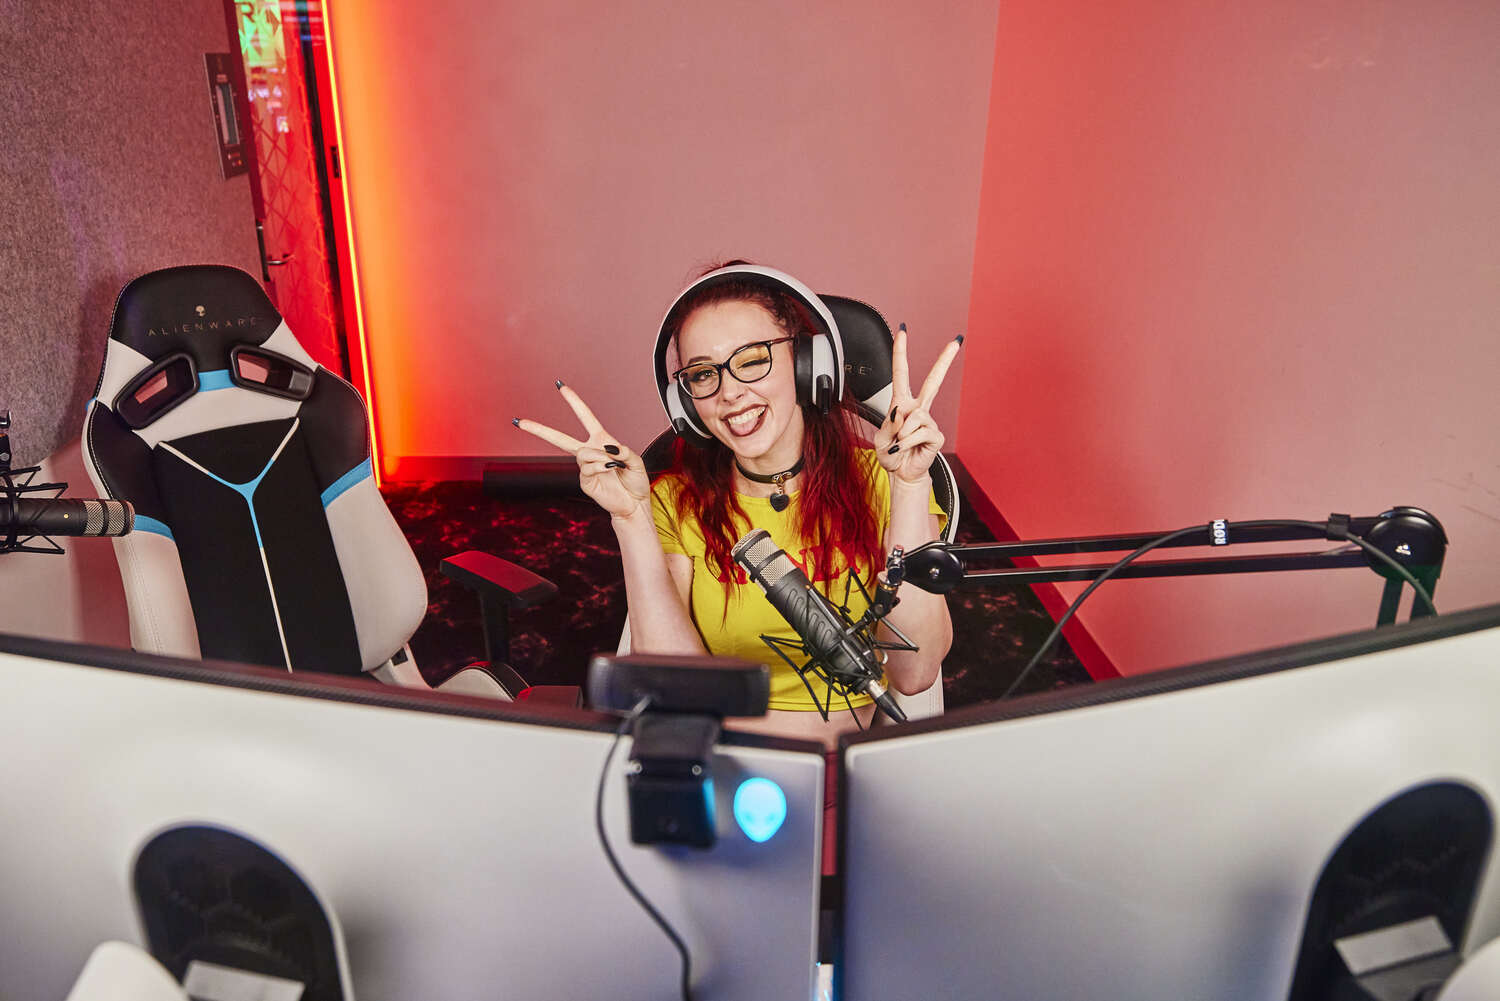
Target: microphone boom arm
1407	534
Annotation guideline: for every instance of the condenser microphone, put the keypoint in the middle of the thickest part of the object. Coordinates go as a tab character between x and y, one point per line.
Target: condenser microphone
66	517
824	631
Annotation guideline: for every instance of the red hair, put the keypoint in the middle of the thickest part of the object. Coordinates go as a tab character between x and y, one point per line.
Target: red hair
833	510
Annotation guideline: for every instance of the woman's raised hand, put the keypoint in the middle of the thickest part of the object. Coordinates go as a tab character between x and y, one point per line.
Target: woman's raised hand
613	475
909	440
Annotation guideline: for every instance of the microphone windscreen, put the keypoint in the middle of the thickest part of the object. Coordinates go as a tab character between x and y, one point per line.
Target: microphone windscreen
758	553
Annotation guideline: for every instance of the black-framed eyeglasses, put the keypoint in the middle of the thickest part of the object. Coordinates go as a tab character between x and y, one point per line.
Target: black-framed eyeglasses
749	363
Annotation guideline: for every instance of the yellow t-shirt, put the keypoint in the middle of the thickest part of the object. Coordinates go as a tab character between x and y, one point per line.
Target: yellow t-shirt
749	615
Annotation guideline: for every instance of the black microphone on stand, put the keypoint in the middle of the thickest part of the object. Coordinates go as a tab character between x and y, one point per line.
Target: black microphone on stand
30	511
843	649
78	518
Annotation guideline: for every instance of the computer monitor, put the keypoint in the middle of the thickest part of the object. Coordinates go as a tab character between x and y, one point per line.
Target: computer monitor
1177	835
454	838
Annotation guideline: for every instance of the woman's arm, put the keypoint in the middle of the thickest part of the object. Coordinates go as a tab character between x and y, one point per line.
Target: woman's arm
921	616
657	586
658	589
906	445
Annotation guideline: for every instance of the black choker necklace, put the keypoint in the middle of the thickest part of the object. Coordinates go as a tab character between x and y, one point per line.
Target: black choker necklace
779	500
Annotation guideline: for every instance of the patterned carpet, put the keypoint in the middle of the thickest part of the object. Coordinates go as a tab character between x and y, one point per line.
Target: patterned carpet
567	539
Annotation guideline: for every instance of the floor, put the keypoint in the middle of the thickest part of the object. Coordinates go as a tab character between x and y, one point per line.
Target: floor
567	539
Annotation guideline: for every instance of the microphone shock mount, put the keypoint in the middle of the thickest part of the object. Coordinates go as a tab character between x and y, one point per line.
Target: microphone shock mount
14	485
861	634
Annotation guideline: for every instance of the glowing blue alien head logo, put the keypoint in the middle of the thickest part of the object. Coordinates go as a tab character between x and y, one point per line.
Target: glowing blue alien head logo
760	808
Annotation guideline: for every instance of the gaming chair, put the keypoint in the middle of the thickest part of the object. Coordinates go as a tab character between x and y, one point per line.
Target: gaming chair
259	536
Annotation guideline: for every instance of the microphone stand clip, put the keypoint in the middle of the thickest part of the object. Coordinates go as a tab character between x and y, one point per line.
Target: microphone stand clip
14	483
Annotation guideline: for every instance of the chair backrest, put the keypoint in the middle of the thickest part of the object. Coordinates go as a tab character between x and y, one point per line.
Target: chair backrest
867	359
868	346
259	533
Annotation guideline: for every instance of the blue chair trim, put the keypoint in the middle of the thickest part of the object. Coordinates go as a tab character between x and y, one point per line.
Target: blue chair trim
144	524
216	379
363	471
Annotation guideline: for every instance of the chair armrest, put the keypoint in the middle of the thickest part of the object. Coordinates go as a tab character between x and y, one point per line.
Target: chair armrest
485	681
490	576
557	695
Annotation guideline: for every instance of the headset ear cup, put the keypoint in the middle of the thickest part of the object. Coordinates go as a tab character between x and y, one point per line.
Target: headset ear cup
685	420
822	373
802	364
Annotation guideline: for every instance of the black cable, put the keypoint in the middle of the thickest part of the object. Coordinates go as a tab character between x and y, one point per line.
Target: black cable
661	922
1172	536
1376	551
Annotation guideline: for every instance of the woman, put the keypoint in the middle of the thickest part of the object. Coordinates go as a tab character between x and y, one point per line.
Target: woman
772	462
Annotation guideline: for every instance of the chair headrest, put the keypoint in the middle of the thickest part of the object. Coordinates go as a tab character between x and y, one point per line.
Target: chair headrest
202	310
867	354
178	331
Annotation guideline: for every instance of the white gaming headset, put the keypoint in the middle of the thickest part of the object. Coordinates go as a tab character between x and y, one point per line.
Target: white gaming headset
819	359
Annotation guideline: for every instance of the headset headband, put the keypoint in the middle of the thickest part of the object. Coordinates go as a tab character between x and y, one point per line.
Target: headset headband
770	278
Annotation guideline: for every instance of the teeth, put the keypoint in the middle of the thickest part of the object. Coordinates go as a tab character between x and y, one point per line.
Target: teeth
745	419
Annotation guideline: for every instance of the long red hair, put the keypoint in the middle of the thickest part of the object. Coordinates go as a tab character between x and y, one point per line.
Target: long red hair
833	510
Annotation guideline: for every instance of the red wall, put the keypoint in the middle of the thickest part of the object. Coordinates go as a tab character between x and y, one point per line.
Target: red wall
532	184
1240	261
1227	262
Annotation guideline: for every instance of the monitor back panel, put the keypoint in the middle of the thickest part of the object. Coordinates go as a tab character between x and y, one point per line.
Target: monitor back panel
1163	846
459	854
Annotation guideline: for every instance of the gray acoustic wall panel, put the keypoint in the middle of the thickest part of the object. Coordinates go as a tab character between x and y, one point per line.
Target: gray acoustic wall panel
108	169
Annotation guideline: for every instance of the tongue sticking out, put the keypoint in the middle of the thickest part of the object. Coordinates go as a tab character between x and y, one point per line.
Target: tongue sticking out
747	427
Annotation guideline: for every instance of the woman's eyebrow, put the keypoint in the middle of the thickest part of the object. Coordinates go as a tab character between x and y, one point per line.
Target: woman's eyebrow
697	358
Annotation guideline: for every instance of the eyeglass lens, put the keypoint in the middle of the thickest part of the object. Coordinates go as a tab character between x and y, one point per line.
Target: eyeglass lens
749	363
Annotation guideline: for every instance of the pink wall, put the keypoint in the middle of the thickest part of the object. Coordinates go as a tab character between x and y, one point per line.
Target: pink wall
1240	261
76	596
532	183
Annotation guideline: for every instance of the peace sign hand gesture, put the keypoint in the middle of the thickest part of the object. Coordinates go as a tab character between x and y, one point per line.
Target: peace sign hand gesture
611	474
909	440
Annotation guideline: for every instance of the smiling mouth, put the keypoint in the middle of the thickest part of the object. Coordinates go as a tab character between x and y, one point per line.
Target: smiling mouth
746	422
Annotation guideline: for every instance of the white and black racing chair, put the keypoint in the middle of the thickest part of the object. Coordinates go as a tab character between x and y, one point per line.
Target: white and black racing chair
867	347
260	536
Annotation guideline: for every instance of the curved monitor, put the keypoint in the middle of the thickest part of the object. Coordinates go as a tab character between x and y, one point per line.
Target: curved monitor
1169	836
452	838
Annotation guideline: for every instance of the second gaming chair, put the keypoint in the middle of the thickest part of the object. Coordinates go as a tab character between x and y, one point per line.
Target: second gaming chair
259	535
867	348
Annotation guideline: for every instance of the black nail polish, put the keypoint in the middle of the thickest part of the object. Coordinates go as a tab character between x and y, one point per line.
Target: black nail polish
903	328
893	450
559	384
614	465
516	421
612	449
959	338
